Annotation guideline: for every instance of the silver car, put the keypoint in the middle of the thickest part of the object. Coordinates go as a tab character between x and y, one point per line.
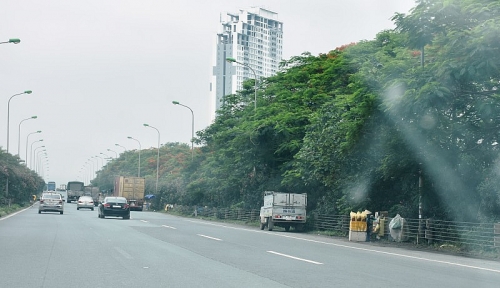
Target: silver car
51	202
85	202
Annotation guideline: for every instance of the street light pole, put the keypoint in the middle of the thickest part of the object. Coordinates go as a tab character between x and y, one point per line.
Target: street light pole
31	152
89	165
94	167
107	156
158	156
232	60
116	154
87	172
36	157
102	161
139	162
19	134
26	154
40	161
124	148
12	40
80	177
8	114
192	125
45	172
229	59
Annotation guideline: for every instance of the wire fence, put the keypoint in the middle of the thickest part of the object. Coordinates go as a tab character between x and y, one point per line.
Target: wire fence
243	215
463	235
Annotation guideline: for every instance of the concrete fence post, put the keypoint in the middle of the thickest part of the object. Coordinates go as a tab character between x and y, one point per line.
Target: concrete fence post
496	236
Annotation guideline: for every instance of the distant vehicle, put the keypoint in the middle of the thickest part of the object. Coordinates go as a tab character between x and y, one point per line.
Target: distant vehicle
93	192
85	202
284	210
64	194
75	190
51	186
131	188
114	206
51	201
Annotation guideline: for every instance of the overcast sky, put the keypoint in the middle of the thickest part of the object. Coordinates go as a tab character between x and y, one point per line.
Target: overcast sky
99	69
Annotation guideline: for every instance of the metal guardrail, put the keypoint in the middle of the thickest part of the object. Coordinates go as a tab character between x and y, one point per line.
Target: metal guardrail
465	235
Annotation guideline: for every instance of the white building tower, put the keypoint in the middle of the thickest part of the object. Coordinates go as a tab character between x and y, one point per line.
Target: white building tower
253	37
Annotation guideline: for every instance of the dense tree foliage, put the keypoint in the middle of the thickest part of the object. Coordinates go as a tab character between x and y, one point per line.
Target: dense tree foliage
379	124
23	182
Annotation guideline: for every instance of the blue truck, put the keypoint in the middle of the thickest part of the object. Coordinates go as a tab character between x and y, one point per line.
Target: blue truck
51	186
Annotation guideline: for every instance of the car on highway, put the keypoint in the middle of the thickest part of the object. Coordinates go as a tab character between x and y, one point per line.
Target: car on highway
85	202
51	202
114	206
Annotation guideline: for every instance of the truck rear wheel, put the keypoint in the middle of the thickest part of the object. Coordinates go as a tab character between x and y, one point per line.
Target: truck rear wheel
270	224
262	225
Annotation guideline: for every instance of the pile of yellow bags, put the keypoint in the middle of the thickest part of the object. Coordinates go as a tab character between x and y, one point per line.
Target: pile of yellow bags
358	221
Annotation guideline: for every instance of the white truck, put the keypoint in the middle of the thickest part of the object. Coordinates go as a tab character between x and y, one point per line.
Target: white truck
284	210
64	194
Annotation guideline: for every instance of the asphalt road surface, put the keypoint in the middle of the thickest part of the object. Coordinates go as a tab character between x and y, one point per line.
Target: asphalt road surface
77	249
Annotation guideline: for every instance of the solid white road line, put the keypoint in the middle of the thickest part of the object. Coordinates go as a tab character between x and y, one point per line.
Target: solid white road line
213	238
296	258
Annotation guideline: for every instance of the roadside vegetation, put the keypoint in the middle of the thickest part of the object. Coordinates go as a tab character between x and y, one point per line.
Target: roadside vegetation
23	183
6	210
378	125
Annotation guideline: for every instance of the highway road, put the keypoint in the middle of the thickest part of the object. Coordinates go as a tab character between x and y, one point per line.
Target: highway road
77	249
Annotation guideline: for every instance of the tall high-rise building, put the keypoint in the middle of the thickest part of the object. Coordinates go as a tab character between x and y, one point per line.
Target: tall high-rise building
253	37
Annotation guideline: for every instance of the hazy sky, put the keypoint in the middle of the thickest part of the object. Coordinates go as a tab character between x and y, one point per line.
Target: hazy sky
99	69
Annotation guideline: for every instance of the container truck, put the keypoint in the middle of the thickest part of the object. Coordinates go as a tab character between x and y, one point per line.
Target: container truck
132	188
75	190
284	210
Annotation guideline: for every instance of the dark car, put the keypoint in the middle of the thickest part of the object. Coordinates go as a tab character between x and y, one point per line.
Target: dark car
114	206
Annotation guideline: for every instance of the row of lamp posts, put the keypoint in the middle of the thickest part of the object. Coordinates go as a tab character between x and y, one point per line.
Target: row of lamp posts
14	41
17	41
232	60
158	148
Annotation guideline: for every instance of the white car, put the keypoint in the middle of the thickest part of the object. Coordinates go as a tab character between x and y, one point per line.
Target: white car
52	202
85	202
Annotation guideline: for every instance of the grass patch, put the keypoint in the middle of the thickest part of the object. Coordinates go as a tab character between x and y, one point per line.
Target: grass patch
329	233
6	210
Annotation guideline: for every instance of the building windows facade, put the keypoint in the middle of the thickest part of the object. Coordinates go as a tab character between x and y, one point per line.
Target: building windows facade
254	37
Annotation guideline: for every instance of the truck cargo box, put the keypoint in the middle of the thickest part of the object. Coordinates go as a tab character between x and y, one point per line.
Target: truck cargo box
131	188
284	210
